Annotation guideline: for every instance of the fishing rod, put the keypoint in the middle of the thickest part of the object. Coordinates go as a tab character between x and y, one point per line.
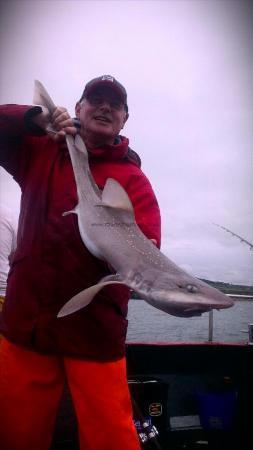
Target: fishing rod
236	235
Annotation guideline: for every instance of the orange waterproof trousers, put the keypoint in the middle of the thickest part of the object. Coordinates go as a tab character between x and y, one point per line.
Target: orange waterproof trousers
31	385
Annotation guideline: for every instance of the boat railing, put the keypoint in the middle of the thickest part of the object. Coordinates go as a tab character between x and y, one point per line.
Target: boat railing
250	325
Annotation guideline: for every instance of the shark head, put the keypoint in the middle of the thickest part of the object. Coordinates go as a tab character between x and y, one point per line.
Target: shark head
184	296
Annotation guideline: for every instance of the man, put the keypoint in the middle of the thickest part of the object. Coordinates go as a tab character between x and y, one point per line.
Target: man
51	265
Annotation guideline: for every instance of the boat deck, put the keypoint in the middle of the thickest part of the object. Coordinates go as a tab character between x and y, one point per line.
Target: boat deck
169	380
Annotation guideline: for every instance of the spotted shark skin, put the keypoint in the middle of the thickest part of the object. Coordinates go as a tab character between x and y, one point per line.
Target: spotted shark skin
109	231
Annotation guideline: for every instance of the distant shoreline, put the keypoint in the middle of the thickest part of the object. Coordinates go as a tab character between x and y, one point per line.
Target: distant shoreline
231	289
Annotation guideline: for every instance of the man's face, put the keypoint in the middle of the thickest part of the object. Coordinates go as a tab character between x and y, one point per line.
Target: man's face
102	115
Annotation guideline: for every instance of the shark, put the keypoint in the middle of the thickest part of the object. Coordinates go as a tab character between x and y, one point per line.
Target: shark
108	229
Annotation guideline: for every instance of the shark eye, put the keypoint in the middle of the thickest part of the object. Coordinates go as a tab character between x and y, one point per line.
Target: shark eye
191	288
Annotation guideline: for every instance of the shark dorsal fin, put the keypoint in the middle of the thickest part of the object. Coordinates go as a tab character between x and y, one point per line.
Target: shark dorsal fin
115	196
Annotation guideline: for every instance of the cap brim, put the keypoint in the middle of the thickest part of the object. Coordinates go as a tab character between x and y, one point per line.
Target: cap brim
106	83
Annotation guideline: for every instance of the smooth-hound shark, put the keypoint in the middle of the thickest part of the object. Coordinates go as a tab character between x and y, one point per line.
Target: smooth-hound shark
109	231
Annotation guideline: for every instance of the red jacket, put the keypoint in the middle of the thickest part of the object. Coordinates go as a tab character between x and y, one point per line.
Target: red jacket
51	263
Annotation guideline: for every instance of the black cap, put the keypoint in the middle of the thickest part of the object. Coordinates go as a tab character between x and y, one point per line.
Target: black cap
106	80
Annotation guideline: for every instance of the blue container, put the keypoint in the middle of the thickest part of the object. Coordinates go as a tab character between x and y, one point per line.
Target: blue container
217	411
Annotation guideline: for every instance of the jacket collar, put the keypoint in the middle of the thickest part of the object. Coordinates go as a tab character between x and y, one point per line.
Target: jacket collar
115	151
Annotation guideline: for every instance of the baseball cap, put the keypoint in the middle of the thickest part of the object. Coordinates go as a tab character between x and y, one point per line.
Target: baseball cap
106	80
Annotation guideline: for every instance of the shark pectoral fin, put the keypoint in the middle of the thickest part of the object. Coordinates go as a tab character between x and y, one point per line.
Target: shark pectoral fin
113	278
115	196
73	211
83	298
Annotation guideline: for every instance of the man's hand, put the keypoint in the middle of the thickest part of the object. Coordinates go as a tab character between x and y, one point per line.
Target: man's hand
57	125
62	123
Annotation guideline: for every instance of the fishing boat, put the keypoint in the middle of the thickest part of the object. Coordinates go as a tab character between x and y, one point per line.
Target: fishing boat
188	396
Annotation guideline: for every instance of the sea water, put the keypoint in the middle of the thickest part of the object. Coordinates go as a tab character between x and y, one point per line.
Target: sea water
148	324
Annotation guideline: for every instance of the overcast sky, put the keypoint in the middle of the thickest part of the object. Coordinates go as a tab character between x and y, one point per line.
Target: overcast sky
188	70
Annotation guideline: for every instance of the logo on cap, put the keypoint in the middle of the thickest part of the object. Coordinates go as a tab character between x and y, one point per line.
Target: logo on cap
107	78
